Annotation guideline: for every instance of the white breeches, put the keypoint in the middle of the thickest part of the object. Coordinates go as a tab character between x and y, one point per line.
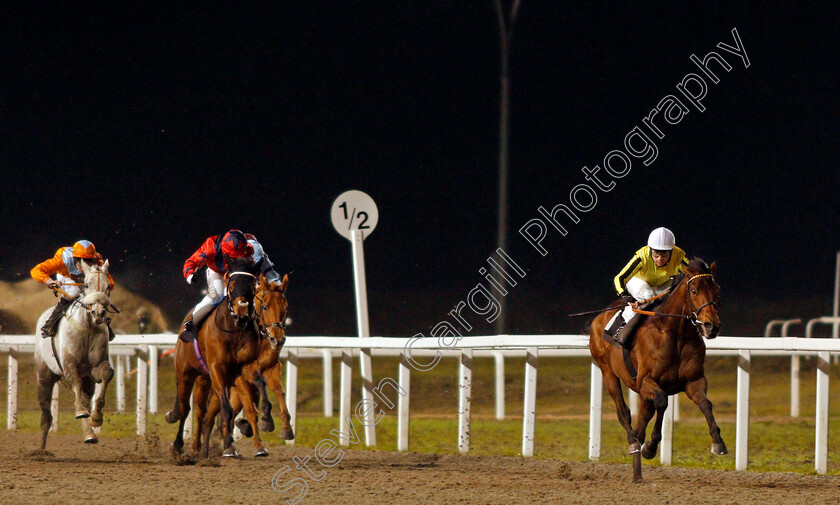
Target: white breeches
215	293
641	290
67	285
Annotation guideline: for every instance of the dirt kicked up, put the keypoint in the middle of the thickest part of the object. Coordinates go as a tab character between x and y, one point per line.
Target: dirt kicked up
127	470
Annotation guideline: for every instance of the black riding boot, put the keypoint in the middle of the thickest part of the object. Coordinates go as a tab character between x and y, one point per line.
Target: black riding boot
51	324
625	332
188	332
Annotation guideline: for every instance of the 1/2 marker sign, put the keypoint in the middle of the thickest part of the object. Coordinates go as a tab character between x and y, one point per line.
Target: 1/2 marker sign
354	210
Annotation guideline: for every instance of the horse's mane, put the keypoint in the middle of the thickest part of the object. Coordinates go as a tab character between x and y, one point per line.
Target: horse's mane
697	264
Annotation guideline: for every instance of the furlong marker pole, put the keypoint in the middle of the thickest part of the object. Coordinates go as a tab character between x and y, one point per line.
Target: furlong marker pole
363	326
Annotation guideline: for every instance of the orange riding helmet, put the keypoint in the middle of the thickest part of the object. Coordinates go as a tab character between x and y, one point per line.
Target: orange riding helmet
84	249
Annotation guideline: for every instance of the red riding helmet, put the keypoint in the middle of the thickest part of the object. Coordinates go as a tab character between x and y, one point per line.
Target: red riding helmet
235	245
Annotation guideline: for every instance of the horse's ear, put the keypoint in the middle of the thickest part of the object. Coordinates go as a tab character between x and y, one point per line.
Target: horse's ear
264	285
105	266
686	271
713	268
284	283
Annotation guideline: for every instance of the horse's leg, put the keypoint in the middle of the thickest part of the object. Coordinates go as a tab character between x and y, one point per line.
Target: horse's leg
201	392
613	386
274	377
654	400
266	421
46	381
246	393
696	390
185	380
236	406
103	373
88	387
218	375
71	373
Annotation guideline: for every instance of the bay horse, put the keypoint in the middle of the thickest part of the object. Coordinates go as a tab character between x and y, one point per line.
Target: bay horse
227	340
271	306
668	354
77	353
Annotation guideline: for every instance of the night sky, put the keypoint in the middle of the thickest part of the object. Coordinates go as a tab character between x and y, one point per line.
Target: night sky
148	129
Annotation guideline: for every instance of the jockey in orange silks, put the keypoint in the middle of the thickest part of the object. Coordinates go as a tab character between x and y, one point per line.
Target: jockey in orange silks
215	254
65	265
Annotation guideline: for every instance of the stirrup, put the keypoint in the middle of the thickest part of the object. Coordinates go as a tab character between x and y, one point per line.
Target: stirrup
188	333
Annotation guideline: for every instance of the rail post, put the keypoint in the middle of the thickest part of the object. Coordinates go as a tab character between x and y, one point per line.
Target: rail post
530	402
742	416
291	390
11	410
596	393
403	403
464	398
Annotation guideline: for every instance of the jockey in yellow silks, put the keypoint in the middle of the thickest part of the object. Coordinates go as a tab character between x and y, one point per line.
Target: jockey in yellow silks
65	265
646	275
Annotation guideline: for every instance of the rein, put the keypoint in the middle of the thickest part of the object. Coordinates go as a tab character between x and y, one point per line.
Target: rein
692	318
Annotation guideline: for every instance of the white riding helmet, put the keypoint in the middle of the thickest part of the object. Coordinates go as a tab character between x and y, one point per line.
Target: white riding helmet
661	239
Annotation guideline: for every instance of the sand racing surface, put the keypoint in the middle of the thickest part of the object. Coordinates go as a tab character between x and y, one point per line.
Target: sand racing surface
137	470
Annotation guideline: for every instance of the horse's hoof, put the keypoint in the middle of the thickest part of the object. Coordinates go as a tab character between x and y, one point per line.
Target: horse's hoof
635	447
262	452
82	413
172	417
91	439
231	452
719	449
96	420
287	434
266	425
648	451
245	428
176	449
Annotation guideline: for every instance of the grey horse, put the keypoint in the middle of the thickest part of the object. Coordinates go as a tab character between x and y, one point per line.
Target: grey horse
79	354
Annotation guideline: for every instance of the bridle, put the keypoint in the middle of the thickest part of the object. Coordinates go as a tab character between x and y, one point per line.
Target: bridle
693	317
99	289
227	288
263	326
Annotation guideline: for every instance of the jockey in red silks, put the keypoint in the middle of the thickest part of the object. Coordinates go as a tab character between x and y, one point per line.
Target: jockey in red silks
66	266
214	253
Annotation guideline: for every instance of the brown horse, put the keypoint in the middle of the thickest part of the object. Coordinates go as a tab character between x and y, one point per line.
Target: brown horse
271	306
227	340
668	354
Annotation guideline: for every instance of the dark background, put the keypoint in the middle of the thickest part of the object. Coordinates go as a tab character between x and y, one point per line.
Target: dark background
148	128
